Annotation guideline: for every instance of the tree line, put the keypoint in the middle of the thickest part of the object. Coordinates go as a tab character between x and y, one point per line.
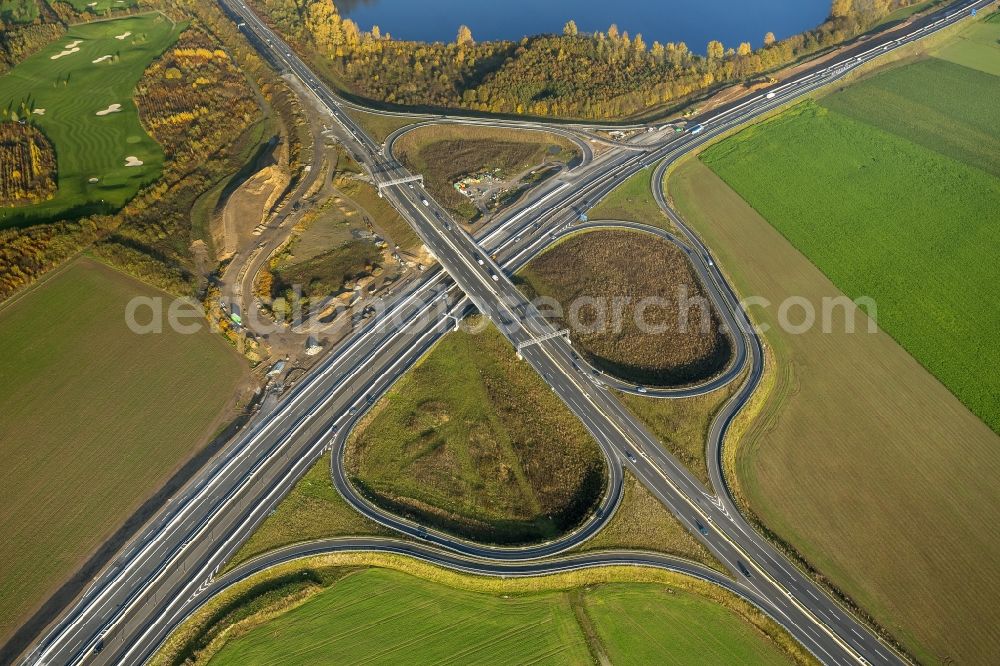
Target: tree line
602	75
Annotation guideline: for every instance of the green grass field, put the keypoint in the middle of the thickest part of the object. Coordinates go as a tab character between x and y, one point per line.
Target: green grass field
887	218
94	419
978	46
860	458
378	616
99	6
947	117
62	97
474	441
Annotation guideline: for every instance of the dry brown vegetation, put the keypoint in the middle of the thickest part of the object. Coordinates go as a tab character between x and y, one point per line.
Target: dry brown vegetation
472	441
624	267
27	164
445	154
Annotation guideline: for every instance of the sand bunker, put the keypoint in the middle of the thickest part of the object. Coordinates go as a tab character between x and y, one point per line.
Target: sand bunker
38	112
93	180
123	35
69	49
132	160
102	59
114	108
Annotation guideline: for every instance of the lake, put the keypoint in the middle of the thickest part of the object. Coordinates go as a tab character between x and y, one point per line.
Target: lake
694	22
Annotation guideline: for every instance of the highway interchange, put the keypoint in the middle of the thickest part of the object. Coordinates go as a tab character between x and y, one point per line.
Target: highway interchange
167	570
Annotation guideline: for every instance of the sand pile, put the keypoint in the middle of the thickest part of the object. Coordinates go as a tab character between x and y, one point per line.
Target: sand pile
114	108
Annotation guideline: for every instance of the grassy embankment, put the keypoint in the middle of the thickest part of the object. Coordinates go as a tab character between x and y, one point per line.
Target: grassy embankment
446	153
884	486
326	609
472	441
62	97
95	418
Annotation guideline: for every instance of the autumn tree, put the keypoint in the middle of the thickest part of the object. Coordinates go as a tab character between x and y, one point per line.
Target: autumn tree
744	49
715	50
570	28
769	39
464	36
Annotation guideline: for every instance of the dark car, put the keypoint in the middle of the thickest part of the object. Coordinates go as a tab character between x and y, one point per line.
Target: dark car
701	528
743	568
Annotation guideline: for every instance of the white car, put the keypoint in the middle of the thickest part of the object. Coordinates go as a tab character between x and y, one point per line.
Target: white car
496	278
426	202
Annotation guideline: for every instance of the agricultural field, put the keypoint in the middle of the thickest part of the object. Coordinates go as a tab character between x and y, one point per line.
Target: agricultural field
445	154
870	207
859	458
472	441
385	616
95	419
977	46
78	91
678	340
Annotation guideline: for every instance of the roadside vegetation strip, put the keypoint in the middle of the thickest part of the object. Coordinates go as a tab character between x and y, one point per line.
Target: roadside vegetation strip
95	419
641	522
312	510
473	442
859	458
681	425
446	154
605	281
379	126
61	89
869	208
528	617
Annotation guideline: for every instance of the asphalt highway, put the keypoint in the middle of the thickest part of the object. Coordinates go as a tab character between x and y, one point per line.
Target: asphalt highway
161	574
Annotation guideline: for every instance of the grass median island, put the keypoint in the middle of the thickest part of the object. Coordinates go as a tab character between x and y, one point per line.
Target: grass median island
95	418
78	92
860	458
601	279
633	201
871	209
312	510
642	522
681	424
472	441
445	154
330	610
